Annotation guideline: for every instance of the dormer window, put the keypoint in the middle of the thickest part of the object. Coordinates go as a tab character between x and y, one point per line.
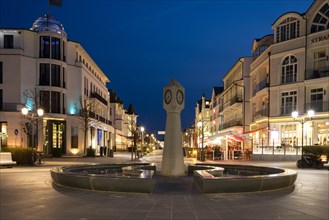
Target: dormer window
321	19
288	29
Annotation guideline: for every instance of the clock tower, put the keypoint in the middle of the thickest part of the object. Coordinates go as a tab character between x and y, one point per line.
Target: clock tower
173	103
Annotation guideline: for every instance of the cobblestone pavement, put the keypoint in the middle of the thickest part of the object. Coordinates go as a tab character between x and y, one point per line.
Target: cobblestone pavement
28	193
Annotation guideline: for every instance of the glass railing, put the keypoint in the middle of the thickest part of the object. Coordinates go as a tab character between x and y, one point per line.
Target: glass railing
317	73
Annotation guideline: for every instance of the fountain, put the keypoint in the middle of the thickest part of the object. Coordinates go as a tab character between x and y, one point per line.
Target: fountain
139	177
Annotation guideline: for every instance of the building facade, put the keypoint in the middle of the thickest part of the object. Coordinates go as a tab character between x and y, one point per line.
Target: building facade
41	68
229	111
290	72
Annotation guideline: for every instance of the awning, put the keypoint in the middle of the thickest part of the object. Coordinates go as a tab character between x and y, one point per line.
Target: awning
238	138
236	135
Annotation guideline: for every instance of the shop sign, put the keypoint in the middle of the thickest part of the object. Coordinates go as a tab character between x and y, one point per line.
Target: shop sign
319	39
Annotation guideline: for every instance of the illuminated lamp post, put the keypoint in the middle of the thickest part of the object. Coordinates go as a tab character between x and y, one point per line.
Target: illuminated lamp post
310	114
142	147
33	118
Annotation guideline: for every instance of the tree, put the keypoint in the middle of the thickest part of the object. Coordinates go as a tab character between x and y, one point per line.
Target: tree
132	127
32	101
86	111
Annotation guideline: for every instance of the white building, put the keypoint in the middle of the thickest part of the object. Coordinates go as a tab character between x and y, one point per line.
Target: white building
42	59
229	111
290	72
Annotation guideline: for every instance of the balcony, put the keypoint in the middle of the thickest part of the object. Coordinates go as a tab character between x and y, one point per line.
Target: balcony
98	97
317	73
286	110
232	101
260	114
232	124
318	106
263	84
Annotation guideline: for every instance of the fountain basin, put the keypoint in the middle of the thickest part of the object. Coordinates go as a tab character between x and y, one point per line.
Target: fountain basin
241	178
136	177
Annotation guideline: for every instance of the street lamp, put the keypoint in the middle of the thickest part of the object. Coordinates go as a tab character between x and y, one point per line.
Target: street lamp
200	125
310	114
33	117
142	148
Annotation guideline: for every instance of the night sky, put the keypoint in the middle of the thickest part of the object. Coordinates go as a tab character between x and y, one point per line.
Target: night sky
142	45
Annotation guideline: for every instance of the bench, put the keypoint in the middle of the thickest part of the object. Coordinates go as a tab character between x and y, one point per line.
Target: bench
6	159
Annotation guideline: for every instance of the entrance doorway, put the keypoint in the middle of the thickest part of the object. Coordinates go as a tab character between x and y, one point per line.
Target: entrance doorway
56	135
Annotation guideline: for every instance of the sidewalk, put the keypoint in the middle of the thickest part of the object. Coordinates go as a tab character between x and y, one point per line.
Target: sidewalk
28	193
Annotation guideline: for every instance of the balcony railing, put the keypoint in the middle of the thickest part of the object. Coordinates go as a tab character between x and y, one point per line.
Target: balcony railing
232	123
98	97
317	106
232	101
260	114
263	84
286	110
317	73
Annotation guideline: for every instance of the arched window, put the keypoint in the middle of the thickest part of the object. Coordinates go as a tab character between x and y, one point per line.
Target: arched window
289	70
288	29
321	19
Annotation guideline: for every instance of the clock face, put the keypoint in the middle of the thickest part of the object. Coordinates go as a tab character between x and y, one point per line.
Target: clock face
167	96
180	97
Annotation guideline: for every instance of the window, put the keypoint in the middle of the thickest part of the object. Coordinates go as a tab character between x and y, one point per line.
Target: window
8	42
55	102
288	102
316	99
44	100
44	47
321	19
288	29
55	48
319	59
1	72
55	75
1	100
64	84
64	57
74	137
44	79
289	70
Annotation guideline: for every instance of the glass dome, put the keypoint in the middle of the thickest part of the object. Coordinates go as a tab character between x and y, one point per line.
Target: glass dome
48	23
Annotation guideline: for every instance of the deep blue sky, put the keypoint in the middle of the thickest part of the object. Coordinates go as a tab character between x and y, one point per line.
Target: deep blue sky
142	45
